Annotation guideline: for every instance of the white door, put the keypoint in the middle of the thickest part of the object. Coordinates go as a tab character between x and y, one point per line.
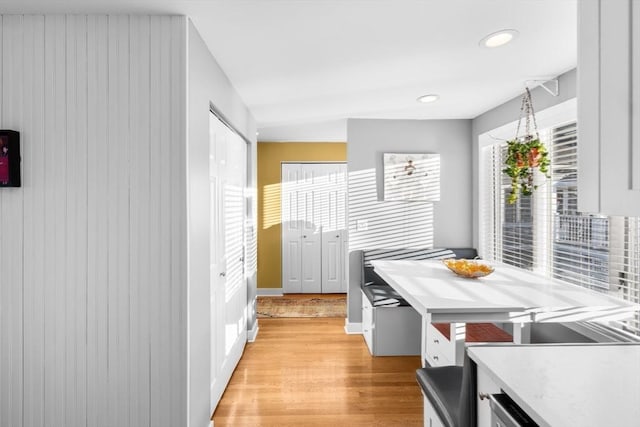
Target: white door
313	197
334	225
301	233
227	176
291	229
309	217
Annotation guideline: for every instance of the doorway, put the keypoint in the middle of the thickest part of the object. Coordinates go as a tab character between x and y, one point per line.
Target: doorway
227	182
314	232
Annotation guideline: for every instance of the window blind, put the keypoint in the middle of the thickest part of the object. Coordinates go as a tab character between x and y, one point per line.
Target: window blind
546	233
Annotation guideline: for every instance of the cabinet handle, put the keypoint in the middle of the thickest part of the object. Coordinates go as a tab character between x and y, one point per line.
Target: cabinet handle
435	357
223	274
304	236
483	396
436	341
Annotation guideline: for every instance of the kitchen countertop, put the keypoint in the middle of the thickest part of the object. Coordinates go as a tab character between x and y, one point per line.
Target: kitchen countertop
568	385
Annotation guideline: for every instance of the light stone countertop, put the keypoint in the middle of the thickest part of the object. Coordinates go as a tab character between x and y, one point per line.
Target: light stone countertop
568	385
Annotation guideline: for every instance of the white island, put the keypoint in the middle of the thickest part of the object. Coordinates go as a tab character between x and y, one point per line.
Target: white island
589	385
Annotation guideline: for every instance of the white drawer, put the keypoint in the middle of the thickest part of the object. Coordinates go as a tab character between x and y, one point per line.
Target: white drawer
367	322
439	350
437	358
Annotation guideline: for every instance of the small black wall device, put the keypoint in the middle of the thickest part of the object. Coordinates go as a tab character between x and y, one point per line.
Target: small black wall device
9	158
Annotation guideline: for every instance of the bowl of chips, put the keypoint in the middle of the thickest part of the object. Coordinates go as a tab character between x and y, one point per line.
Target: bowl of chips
469	268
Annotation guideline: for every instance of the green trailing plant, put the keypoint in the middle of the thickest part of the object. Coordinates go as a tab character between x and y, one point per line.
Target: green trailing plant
523	158
525	155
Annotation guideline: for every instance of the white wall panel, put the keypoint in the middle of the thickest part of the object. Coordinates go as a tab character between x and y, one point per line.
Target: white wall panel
34	196
97	320
11	242
140	214
93	245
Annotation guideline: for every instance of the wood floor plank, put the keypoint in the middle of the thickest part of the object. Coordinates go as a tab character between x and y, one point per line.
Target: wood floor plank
308	372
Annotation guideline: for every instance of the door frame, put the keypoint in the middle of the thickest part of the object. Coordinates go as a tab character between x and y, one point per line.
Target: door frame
219	380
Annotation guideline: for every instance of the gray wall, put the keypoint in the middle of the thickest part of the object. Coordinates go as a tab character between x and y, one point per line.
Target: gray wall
508	113
208	84
447	223
369	139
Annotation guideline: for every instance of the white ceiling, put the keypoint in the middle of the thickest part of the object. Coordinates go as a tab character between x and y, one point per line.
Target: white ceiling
301	63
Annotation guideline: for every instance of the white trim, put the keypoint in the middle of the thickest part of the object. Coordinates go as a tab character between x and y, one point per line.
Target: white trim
269	292
252	333
352	328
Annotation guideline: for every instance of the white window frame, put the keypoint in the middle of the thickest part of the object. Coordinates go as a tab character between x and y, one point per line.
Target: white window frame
490	216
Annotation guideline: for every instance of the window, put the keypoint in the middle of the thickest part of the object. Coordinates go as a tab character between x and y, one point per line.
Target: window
545	232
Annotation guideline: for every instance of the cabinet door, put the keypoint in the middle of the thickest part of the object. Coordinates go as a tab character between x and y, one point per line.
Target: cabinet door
367	322
431	418
609	106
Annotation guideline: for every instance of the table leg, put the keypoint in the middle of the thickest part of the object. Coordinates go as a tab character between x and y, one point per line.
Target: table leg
426	321
458	332
522	333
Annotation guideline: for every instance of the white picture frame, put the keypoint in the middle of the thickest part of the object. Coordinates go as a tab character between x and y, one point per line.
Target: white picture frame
411	177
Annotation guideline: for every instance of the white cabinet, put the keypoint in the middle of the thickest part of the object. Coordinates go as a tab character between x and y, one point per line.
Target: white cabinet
367	322
431	418
485	386
391	331
440	350
609	106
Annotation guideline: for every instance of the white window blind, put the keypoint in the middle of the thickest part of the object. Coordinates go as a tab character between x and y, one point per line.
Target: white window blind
546	233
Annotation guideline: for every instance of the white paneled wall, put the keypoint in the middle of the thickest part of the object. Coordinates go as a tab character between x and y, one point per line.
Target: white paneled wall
93	245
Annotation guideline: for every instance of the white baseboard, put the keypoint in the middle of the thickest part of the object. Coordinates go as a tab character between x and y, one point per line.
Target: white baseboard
269	292
252	334
352	328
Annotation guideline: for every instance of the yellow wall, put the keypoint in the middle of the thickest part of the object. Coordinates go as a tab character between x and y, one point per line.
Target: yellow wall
270	157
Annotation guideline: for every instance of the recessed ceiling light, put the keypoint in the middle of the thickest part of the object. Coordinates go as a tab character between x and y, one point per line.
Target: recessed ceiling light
499	38
428	98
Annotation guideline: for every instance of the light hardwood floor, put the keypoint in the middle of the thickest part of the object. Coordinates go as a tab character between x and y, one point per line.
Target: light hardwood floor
308	372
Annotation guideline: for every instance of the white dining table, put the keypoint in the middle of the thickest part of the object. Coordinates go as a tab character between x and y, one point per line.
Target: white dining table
508	295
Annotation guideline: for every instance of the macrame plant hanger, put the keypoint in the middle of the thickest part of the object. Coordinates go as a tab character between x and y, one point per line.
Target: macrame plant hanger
526	111
525	153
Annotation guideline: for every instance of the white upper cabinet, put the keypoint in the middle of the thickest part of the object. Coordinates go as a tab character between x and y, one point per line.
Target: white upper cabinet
609	106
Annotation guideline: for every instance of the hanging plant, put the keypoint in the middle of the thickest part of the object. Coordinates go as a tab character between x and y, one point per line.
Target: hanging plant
526	154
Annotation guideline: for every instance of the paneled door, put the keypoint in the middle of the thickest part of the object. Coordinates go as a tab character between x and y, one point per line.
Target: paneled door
313	203
301	232
334	226
227	176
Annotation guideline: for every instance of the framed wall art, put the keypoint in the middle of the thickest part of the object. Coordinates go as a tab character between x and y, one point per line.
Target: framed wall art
411	177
